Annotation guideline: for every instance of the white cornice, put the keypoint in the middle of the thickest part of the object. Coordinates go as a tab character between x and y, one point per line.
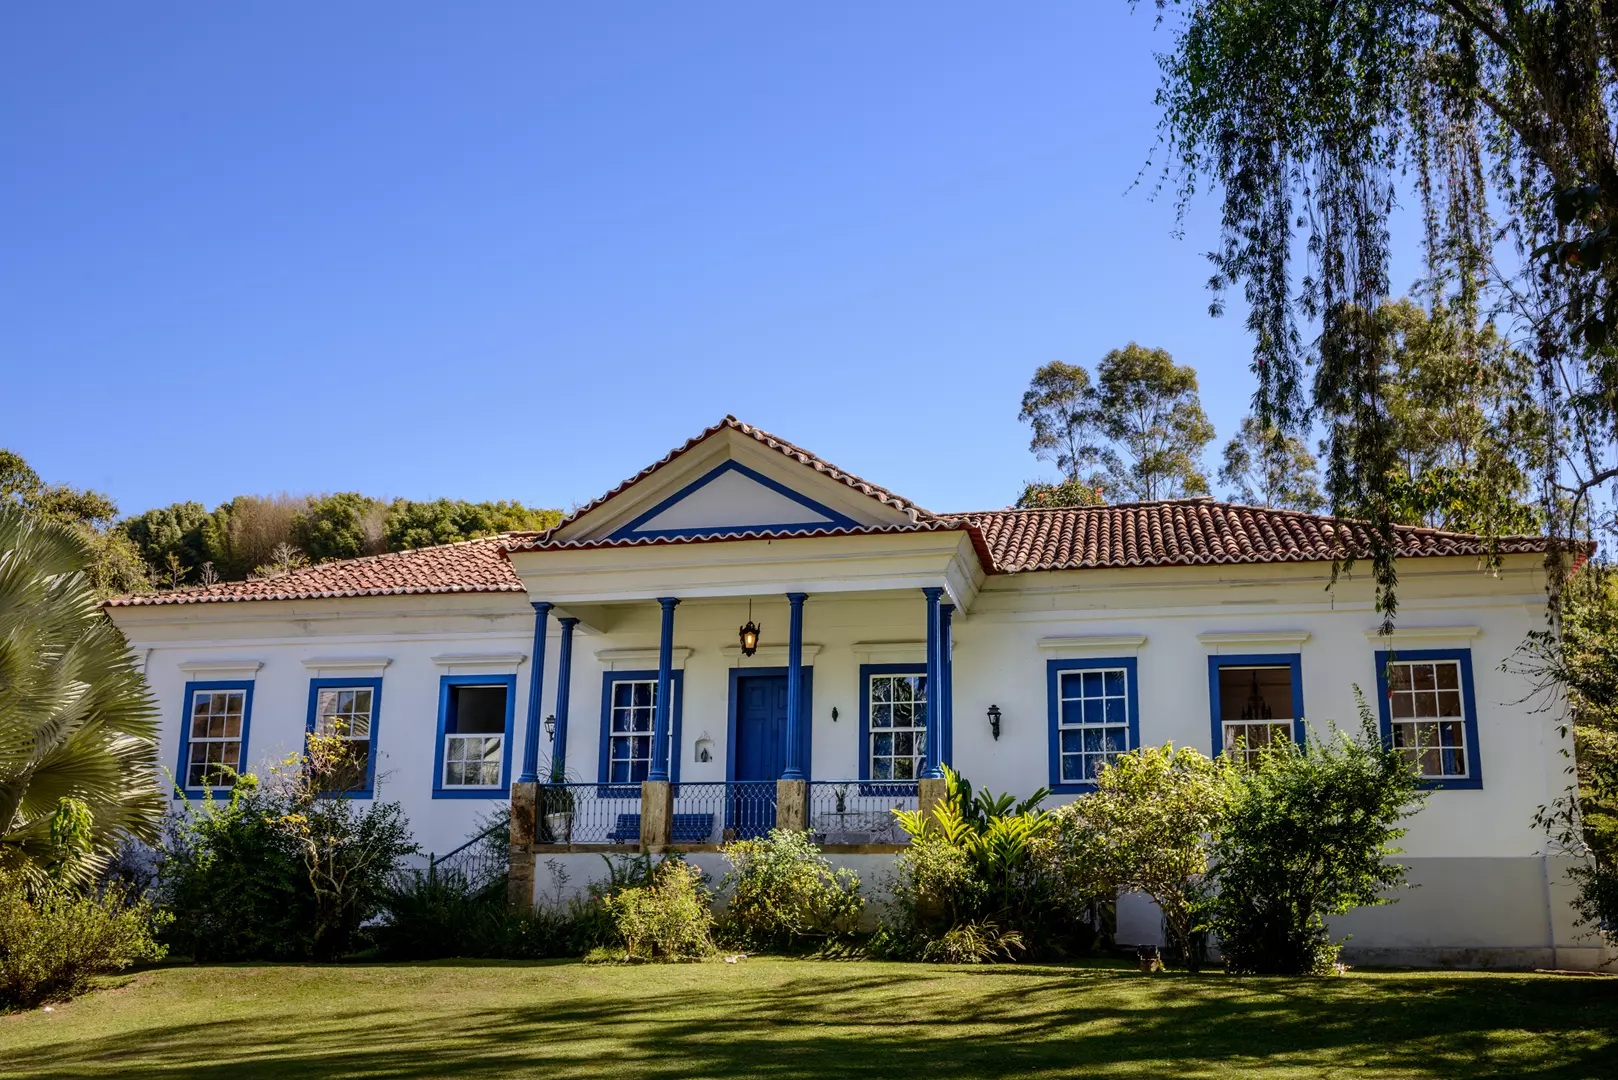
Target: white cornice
1290	639
893	652
219	669
1088	642
1426	633
637	659
766	656
495	663
347	663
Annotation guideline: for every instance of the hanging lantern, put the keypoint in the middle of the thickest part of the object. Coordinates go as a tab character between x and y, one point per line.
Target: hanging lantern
749	633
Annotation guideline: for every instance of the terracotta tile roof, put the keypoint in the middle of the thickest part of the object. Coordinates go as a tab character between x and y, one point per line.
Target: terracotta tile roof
1197	532
774	442
471	566
540	541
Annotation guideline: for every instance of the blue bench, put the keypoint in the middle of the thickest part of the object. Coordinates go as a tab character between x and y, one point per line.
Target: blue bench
688	829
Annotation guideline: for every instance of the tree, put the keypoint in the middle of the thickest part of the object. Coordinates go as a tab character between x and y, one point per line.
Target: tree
177	530
1148	406
1310	832
1058	405
115	564
242	534
445	521
1312	116
341	526
1266	467
1148	824
1038	495
78	727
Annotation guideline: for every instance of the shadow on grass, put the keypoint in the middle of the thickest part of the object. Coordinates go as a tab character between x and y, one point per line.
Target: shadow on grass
890	1021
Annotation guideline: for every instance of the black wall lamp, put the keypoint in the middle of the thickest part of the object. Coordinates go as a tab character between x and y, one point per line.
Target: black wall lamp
994	721
550	726
749	633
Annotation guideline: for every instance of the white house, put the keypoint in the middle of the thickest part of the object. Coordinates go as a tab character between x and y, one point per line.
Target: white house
1023	646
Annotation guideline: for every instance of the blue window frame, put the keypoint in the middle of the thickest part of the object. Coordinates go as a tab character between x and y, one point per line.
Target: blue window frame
628	714
1256	698
893	727
213	736
476	717
349	709
1429	713
1094	711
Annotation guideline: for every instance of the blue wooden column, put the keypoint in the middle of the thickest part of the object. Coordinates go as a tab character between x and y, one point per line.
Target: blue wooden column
564	680
946	663
935	677
665	689
793	767
536	687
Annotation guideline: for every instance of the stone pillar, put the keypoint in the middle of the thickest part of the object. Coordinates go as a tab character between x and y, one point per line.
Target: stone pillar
792	767
792	804
536	687
929	793
520	882
935	727
656	815
665	691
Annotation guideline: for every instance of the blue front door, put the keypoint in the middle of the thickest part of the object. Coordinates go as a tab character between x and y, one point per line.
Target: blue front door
761	730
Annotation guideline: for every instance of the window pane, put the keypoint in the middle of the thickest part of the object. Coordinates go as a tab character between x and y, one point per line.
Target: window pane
1449	676
478	709
1255	693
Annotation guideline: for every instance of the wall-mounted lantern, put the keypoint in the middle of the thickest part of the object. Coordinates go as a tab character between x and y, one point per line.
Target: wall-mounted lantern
749	633
550	726
994	722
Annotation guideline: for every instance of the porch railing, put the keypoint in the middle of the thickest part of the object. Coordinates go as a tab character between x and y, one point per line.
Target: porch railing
717	812
858	811
587	814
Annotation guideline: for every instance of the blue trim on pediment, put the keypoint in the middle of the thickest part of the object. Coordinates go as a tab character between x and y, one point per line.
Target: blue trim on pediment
833	520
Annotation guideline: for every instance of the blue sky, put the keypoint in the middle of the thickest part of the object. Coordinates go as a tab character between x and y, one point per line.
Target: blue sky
521	250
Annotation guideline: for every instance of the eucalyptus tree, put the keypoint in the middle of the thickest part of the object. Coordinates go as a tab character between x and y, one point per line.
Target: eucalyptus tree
1310	118
1059	407
1149	409
1264	466
78	727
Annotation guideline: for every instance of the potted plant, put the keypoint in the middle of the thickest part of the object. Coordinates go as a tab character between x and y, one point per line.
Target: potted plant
557	802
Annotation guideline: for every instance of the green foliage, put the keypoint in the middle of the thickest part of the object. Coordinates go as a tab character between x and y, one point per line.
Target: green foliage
975	865
784	896
113	563
1059	409
1264	466
1309	833
1147	827
77	721
55	938
437	915
1148	406
341	526
245	533
171	532
284	870
445	521
669	918
1039	495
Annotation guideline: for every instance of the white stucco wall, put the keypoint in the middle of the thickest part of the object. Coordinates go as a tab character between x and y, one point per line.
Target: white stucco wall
1476	852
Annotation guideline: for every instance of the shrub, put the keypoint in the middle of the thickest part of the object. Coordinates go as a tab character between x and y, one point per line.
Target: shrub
974	866
669	918
439	915
1147	827
973	943
784	896
54	939
285	870
1309	834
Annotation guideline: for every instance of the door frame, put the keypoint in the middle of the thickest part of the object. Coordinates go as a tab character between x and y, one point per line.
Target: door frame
808	683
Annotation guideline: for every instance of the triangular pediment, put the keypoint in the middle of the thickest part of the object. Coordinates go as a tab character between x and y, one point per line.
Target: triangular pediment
731	499
735	480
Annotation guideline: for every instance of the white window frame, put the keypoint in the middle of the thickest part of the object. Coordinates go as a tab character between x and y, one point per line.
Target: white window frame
920	707
1106	724
193	740
1416	751
483	738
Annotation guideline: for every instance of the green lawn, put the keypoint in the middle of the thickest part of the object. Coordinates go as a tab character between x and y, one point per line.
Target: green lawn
776	1018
